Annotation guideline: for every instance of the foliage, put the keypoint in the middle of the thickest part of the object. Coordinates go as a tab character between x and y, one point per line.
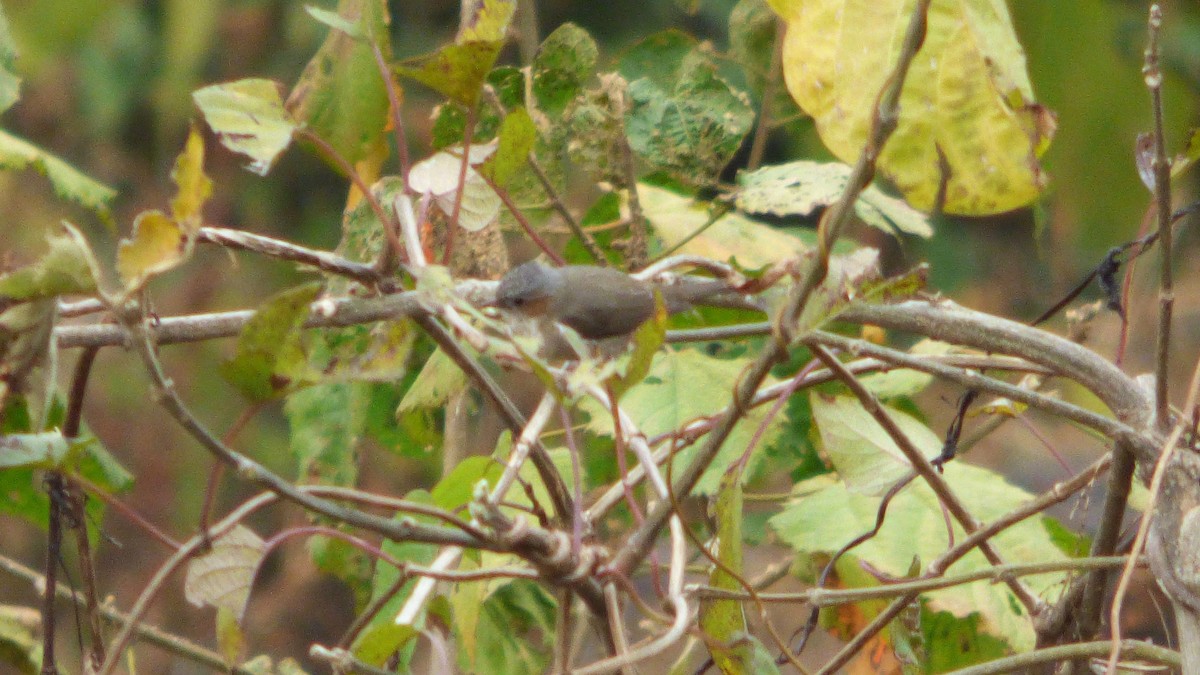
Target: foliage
518	520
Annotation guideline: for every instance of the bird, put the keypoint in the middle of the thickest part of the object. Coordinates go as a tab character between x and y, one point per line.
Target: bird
597	302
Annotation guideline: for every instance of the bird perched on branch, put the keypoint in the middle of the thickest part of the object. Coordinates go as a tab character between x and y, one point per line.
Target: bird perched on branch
598	302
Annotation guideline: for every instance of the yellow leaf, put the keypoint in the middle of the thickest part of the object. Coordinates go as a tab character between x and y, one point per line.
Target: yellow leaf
675	217
157	245
967	93
194	186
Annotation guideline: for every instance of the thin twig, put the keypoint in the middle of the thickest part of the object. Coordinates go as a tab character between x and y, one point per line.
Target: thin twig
171	643
556	201
827	597
1153	76
926	471
759	144
1055	495
1165	456
76	501
463	167
388	224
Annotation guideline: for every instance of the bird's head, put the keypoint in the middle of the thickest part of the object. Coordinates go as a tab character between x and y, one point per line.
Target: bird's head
528	288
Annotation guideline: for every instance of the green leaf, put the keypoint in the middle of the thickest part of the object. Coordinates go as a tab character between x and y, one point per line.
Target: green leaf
158	244
594	133
249	118
647	340
515	631
381	638
967	93
864	455
824	515
564	62
326	423
683	386
752	45
25	456
10	84
690	127
456	488
657	58
800	188
953	642
517	135
270	359
377	643
68	182
67	267
194	186
438	380
341	95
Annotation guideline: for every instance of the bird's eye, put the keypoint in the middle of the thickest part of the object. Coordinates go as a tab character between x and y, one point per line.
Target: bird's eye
517	302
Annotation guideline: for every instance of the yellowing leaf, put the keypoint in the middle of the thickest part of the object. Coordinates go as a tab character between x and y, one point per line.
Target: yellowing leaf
967	93
675	217
157	245
491	24
249	118
194	186
456	71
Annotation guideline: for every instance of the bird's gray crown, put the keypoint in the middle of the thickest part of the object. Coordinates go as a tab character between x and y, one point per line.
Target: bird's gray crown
526	283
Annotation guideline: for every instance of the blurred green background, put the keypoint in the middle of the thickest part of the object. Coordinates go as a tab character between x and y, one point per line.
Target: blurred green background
107	86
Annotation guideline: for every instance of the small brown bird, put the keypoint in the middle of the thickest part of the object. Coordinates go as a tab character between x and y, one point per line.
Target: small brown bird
598	302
